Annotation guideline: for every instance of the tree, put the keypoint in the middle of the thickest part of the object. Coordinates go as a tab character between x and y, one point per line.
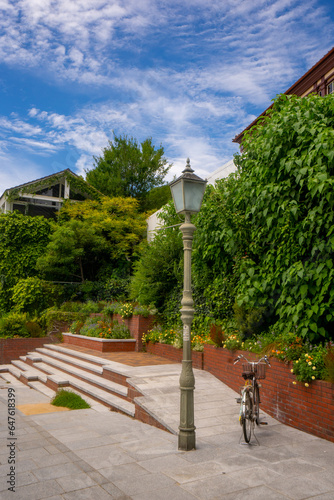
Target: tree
93	239
127	169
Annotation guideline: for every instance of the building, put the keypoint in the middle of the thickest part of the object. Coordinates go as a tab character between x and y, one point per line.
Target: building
45	196
319	79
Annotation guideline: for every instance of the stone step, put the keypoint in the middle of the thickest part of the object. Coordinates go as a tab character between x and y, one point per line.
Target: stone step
108	366
70	359
76	354
57	378
42	388
49	365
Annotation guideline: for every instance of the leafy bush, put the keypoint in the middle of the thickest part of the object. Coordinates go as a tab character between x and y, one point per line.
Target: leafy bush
90	328
55	320
33	295
71	306
90	307
14	324
329	362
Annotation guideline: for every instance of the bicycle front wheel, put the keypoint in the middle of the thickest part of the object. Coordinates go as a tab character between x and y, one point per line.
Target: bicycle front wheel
247	420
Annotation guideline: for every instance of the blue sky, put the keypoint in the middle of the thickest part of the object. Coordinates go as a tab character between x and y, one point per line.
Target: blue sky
191	74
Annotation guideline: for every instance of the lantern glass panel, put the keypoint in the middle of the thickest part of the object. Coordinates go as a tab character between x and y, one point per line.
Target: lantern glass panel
177	193
193	194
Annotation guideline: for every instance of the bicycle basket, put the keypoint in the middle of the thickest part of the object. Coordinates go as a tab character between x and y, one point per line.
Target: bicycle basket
259	370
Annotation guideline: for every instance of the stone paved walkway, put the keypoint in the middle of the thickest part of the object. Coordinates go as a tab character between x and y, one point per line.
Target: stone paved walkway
98	454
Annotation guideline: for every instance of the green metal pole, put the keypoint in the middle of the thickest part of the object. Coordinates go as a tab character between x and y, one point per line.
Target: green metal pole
187	438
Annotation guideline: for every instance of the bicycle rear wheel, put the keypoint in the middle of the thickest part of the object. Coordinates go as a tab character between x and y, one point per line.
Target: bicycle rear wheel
256	408
247	420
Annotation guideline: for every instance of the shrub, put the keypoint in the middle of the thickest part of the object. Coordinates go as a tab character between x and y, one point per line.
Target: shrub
111	309
329	362
217	335
33	295
55	320
14	324
90	307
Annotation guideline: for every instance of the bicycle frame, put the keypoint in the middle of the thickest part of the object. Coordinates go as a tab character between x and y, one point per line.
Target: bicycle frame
250	396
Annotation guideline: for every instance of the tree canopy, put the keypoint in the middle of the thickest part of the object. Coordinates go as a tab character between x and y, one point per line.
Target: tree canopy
93	239
129	169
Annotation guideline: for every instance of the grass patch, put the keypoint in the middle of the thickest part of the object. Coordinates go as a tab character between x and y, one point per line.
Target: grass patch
69	400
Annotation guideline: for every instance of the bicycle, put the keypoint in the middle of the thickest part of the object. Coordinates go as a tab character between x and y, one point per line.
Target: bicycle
250	394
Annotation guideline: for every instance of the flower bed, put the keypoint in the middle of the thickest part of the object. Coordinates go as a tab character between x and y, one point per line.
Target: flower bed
101	345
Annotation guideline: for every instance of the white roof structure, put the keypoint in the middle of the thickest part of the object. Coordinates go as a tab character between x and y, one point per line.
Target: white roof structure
153	222
222	172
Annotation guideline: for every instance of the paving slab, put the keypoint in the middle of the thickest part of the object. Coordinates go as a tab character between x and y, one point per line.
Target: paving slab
95	453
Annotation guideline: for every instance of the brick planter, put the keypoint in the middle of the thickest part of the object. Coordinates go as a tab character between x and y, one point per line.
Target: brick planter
138	325
174	354
101	345
309	409
11	349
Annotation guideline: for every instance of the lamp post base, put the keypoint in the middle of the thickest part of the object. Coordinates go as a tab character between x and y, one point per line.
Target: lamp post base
187	440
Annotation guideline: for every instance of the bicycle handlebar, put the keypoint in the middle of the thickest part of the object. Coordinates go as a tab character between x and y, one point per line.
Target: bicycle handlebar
265	358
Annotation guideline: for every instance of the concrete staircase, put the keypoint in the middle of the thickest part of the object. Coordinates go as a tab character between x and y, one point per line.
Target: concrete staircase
52	367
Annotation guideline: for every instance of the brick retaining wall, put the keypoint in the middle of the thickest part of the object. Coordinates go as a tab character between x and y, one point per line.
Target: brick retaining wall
310	409
170	352
101	345
14	348
138	325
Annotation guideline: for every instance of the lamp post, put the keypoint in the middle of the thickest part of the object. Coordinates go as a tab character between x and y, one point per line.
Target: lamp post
187	192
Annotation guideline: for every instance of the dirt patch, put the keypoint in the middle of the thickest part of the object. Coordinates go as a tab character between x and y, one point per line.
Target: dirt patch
37	408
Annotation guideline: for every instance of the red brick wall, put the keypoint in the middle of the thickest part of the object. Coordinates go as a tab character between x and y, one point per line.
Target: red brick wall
138	325
170	352
309	409
11	349
100	345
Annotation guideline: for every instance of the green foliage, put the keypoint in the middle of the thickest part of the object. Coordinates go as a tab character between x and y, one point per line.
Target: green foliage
94	239
69	399
233	341
23	240
101	328
14	324
286	193
33	295
55	319
157	198
160	267
161	335
329	363
129	169
248	320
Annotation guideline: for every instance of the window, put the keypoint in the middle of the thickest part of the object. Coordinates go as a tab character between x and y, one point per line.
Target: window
330	88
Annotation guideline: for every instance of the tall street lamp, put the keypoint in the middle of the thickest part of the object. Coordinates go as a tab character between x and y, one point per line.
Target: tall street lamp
187	192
